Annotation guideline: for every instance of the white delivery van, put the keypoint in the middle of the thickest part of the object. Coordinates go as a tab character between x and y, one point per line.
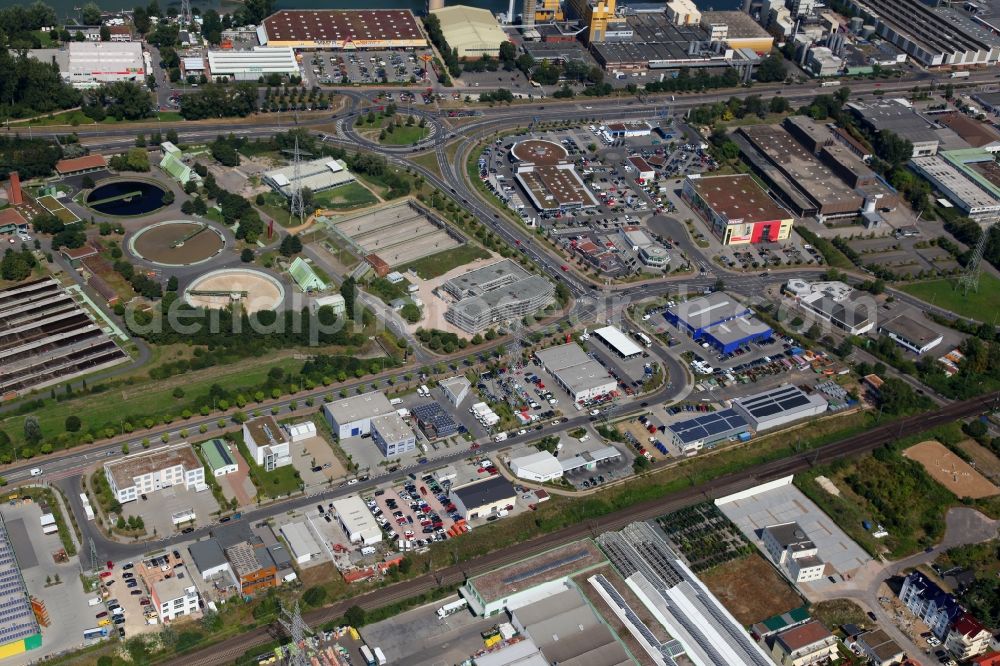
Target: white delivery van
36	471
501	437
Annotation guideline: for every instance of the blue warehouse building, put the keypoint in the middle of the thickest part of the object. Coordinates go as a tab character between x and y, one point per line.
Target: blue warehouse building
718	319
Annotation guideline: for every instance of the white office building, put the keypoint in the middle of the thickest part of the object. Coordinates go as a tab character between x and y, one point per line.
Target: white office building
352	417
252	65
793	552
455	389
174	597
357	521
267	443
146	473
540	466
392	435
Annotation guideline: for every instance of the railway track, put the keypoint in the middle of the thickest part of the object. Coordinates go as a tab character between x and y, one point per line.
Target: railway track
229	650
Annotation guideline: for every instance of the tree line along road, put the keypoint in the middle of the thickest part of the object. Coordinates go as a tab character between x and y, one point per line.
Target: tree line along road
230	649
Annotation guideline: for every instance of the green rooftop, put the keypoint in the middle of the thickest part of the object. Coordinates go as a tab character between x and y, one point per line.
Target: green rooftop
964	158
779	622
217	454
305	276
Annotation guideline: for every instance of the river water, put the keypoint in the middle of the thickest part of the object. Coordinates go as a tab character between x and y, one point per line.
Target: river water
65	8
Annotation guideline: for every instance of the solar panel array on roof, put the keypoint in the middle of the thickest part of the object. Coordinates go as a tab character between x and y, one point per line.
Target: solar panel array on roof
773	402
432	417
712	426
547	566
17	620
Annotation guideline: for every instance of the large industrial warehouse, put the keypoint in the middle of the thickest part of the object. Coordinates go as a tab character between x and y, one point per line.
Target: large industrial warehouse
343	29
94	63
47	338
718	319
737	209
253	64
582	377
548	176
472	31
317	175
778	406
691	435
795	174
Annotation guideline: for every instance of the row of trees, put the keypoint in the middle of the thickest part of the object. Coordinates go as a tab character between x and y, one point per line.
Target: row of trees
432	24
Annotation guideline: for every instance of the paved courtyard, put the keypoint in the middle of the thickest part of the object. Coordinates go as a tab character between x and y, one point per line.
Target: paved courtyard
313	453
238	484
156	511
787	503
66	602
420	638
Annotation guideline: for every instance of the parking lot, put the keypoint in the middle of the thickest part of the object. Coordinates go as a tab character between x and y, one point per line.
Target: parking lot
366	67
417	511
158	507
601	472
539	402
316	461
790	252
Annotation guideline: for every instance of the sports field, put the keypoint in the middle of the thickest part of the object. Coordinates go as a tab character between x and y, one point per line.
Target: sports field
979	305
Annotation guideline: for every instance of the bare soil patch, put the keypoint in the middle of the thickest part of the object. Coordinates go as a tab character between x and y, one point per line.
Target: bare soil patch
751	589
951	471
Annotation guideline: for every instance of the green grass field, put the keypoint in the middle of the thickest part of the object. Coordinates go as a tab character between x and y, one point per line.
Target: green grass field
109	409
442	262
980	305
78	118
428	161
346	197
404	136
275	206
277	483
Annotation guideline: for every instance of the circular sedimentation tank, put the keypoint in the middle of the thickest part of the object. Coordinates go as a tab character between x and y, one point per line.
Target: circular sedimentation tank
126	197
254	290
177	243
